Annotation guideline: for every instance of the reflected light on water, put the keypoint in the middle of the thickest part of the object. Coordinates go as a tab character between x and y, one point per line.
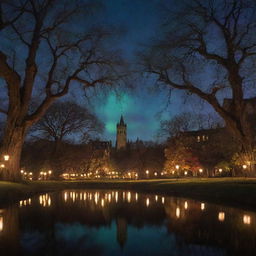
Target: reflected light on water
45	200
129	197
136	197
247	219
116	196
221	216
186	205
177	212
156	198
147	202
102	202
162	200
25	202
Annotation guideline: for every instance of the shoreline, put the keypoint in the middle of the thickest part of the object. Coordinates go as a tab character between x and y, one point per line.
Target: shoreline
233	192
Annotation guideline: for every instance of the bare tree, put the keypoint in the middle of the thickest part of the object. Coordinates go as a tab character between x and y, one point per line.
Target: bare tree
208	49
64	120
46	52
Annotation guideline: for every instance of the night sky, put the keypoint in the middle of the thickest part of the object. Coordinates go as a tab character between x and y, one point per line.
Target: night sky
142	107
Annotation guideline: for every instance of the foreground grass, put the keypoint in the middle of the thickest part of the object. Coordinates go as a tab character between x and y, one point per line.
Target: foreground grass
238	192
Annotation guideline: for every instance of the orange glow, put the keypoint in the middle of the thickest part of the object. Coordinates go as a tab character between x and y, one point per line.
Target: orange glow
1	223
247	219
221	216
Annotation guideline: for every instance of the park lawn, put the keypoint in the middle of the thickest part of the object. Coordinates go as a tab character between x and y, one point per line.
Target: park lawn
238	192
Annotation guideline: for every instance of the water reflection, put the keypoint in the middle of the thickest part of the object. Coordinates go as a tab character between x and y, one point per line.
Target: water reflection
124	223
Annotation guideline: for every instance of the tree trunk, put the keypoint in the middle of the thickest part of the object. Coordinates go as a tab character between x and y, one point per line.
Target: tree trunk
12	146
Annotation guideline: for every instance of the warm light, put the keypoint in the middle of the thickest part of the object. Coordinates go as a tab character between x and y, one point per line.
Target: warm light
6	157
186	205
155	173
147	202
136	197
162	200
65	196
30	173
156	198
2	166
116	196
129	197
102	202
177	212
220	170
221	216
50	172
173	172
185	172
177	167
247	219
22	171
244	166
200	170
1	223
147	172
202	206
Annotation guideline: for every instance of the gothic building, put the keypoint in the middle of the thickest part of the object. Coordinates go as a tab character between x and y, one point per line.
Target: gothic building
121	136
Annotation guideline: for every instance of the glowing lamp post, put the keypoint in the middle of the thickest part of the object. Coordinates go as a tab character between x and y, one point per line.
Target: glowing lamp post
6	157
177	168
147	173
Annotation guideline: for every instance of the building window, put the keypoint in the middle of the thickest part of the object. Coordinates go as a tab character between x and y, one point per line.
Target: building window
198	138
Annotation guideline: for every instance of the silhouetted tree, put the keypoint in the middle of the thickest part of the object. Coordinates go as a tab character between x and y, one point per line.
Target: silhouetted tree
65	119
207	49
57	55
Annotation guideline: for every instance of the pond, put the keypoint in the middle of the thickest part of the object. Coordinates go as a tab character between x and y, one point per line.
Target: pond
90	222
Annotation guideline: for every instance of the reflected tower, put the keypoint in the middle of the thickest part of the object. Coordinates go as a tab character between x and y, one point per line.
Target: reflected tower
121	226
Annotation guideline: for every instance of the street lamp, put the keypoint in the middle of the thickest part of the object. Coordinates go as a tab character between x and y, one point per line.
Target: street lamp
147	172
6	157
177	168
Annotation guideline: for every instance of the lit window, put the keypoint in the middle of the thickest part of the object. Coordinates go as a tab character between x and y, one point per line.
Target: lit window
198	138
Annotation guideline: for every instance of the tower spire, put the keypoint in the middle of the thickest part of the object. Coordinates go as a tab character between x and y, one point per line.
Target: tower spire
121	138
121	120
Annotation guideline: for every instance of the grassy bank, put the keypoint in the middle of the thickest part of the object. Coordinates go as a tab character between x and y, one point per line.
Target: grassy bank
238	192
